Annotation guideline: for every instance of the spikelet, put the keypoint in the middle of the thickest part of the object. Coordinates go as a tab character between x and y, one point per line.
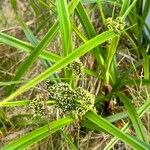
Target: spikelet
76	67
63	95
37	107
86	100
117	25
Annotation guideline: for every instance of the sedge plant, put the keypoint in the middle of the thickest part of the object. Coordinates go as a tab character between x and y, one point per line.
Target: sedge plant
66	72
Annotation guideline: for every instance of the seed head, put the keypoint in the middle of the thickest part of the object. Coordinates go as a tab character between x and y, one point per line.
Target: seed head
37	107
58	90
76	67
76	102
117	25
63	95
86	100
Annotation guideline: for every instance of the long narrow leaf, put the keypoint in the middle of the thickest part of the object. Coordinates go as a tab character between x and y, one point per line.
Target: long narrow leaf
37	135
22	103
144	108
65	61
146	63
21	45
34	54
137	124
110	57
129	9
125	5
108	127
89	29
65	26
27	32
69	140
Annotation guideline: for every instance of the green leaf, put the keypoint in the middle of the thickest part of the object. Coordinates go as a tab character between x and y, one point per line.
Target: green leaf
16	103
69	140
34	7
11	82
135	82
22	69
92	126
117	117
37	135
65	26
83	49
33	41
79	33
89	29
94	1
111	129
44	4
145	12
144	108
146	63
25	65
27	32
22	103
137	124
99	2
109	58
124	6
21	45
129	9
142	22
65	30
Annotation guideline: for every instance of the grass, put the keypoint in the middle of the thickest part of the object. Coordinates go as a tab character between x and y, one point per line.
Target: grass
91	76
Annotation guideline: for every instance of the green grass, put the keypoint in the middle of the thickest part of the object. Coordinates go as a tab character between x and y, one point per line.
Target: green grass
116	57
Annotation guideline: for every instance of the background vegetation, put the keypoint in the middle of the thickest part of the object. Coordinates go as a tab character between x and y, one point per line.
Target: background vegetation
74	74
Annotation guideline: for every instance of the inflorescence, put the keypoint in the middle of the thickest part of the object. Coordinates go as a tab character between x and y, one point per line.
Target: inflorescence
63	95
75	102
85	99
116	25
37	107
76	67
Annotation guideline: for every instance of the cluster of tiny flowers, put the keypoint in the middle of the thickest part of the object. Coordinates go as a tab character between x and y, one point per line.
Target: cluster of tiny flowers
86	100
117	25
37	107
76	102
63	95
76	67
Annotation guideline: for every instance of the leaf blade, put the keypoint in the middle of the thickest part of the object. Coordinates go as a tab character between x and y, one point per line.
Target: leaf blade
65	61
108	127
137	124
37	134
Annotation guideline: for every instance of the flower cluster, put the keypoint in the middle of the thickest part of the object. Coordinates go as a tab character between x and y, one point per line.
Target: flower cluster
68	101
117	25
85	99
63	95
76	67
76	102
37	107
